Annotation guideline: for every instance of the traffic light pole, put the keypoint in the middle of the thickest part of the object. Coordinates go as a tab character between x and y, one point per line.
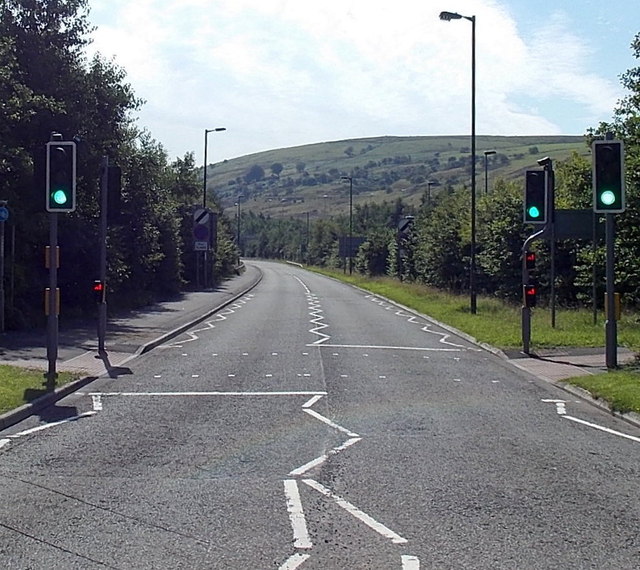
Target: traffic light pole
611	327
526	311
104	205
52	317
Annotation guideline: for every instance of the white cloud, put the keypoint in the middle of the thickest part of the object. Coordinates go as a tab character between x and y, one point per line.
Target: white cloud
286	72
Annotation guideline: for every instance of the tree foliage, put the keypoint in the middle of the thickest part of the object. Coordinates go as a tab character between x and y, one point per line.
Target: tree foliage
47	84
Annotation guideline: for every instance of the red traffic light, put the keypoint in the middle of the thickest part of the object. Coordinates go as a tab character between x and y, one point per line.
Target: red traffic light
98	291
530	294
530	260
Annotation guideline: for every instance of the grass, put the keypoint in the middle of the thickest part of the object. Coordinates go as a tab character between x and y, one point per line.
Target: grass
496	322
20	386
499	324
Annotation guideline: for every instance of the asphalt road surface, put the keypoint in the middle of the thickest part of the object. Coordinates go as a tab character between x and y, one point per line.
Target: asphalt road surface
312	425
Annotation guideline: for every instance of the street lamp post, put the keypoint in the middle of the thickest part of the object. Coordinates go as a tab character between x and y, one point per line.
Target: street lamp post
448	16
350	179
486	168
204	182
240	196
205	260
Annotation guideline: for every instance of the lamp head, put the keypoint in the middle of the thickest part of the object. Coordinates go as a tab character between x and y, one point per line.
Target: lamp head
448	16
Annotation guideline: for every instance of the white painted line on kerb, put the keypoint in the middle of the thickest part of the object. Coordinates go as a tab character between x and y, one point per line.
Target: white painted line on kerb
357	513
320	460
330	423
296	515
602	428
294	562
410	563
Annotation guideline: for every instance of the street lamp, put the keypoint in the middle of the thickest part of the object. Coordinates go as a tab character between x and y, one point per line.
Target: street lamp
350	179
486	168
447	17
204	183
238	223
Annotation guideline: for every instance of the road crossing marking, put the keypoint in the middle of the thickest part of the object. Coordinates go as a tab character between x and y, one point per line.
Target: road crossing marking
356	512
375	347
296	515
294	561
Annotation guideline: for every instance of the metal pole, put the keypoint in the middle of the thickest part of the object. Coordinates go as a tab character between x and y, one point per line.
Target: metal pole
611	325
551	189
472	277
594	290
350	224
52	318
204	205
104	205
2	304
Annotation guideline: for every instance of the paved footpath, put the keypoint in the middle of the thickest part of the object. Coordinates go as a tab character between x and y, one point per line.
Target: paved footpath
140	331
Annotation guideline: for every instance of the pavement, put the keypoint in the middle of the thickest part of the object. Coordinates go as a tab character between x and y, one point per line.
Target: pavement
140	331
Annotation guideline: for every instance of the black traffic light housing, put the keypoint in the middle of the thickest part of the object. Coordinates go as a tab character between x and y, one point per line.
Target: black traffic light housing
530	260
530	293
60	182
535	197
608	177
98	291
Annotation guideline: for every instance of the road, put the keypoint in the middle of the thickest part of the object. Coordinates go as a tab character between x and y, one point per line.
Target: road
312	425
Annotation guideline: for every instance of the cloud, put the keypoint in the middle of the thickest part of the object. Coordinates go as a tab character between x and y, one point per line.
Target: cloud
285	72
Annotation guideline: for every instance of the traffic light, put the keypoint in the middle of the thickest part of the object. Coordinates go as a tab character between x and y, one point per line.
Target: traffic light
60	181
608	177
535	197
530	260
530	293
98	291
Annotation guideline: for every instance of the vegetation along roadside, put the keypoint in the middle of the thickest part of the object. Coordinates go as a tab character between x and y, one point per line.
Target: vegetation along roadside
497	323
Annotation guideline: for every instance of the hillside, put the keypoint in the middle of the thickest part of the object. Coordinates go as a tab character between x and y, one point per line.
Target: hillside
307	179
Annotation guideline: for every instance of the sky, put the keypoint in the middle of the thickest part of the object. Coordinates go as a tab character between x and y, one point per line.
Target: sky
283	73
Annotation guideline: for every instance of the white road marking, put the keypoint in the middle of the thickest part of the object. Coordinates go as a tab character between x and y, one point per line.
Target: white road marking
320	460
330	423
418	348
50	425
356	512
310	403
295	561
296	515
4	442
97	402
203	394
410	563
602	428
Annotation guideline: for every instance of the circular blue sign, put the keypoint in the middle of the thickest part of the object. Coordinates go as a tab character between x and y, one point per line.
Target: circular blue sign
4	214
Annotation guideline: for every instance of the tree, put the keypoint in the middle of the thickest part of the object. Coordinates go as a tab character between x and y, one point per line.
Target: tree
277	168
254	174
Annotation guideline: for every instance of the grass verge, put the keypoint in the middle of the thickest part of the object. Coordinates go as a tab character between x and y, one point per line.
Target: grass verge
20	386
499	324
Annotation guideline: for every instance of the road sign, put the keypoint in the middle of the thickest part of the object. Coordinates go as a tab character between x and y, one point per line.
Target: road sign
4	214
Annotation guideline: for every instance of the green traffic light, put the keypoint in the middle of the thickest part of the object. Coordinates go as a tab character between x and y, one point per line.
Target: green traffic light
534	212
59	197
608	197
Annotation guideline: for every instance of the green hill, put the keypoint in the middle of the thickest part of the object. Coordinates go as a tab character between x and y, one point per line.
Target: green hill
307	179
